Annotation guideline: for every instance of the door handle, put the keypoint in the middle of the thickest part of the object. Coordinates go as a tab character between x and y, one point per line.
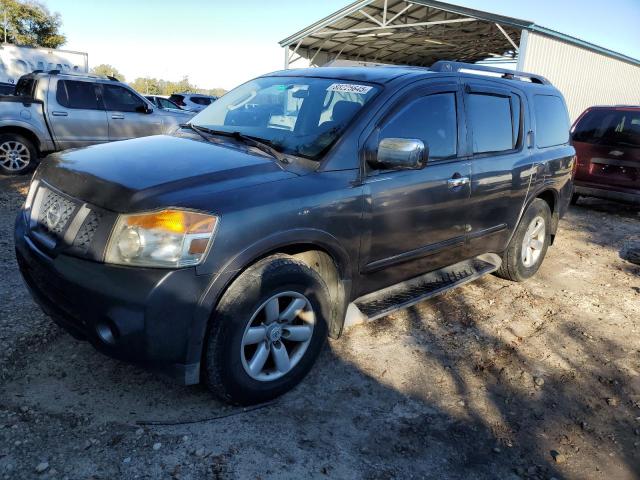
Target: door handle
117	116
457	182
59	114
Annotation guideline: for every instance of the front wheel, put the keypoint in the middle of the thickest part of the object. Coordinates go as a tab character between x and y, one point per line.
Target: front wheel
17	154
529	244
267	331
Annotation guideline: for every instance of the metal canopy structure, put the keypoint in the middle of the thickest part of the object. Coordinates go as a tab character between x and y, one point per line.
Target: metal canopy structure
417	32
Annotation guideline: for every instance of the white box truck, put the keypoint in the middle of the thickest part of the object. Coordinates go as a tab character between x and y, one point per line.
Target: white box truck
16	61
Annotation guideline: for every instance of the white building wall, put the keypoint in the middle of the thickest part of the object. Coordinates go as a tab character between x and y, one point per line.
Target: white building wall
584	77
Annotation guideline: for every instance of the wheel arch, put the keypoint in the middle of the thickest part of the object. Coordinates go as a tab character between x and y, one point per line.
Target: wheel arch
551	197
319	250
25	132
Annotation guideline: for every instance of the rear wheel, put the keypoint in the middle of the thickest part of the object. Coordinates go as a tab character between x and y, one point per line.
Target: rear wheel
267	331
529	244
18	155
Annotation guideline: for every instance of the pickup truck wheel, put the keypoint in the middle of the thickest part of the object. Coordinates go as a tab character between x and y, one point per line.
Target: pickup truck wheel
266	332
529	244
17	154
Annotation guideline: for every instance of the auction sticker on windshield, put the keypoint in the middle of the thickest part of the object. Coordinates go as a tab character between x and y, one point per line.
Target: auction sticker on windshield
349	88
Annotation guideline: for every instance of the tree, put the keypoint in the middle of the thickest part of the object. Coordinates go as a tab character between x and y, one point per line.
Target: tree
30	24
155	86
107	70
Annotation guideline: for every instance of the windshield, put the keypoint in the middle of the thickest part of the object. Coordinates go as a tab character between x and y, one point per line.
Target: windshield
296	115
609	127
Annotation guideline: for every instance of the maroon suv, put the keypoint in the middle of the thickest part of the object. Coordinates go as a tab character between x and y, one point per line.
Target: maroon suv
607	143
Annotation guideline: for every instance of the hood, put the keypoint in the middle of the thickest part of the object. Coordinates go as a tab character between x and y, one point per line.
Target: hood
140	173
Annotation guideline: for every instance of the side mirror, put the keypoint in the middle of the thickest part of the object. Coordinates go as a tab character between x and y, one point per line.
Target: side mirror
144	109
401	154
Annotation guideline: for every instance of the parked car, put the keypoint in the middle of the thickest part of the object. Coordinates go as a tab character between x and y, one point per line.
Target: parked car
194	102
53	111
6	88
163	102
607	142
228	251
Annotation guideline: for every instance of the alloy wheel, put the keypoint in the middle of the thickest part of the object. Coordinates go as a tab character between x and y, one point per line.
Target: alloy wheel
14	155
533	242
277	336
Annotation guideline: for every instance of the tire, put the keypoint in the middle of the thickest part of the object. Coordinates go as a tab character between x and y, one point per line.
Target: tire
18	155
515	266
242	316
574	199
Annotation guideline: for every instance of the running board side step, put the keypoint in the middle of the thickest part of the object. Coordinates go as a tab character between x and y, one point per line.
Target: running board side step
405	294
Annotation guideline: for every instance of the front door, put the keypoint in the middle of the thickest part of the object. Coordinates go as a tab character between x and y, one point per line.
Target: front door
128	114
75	113
417	218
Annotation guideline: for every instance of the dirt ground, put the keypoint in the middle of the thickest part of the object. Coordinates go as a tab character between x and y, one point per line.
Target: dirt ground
493	380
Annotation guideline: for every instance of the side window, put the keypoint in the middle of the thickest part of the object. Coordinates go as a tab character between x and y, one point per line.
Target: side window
164	103
76	94
494	121
201	100
552	121
121	99
432	119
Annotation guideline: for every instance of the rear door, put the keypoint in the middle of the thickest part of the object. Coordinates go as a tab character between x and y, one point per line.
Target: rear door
501	165
607	143
75	112
416	218
127	114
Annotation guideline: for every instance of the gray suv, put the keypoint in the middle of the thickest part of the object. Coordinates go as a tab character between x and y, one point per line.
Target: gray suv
55	111
227	252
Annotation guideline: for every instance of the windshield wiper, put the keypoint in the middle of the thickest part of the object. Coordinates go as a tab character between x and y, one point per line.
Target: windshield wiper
260	144
195	129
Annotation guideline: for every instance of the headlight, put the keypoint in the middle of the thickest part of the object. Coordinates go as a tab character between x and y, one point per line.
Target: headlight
168	238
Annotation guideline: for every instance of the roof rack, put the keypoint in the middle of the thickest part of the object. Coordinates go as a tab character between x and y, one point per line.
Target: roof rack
446	66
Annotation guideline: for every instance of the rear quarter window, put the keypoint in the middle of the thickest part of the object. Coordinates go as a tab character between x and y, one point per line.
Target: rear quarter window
552	121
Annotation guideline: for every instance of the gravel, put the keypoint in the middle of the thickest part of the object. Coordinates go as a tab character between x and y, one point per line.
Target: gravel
448	389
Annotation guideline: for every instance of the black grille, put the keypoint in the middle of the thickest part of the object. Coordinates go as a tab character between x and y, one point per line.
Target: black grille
87	231
55	213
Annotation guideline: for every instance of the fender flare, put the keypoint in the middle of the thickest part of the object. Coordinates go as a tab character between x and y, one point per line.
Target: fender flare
221	280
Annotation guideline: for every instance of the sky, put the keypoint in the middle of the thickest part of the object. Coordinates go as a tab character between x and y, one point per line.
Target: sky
219	43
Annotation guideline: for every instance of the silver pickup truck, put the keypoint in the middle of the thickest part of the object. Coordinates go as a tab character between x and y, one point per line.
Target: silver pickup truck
55	111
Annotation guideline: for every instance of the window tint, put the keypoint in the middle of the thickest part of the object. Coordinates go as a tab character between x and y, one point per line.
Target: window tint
431	119
75	94
609	127
177	99
121	99
164	103
491	120
25	87
552	121
201	100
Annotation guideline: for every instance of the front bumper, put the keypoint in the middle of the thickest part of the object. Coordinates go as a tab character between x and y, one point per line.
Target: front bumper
141	315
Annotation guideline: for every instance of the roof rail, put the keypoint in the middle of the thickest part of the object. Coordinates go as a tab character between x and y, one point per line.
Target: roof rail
112	78
446	66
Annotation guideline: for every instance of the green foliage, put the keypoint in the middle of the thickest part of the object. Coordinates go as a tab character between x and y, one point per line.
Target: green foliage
30	23
107	70
154	86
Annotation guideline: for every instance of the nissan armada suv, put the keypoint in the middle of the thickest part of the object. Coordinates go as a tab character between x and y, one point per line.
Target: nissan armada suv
228	251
